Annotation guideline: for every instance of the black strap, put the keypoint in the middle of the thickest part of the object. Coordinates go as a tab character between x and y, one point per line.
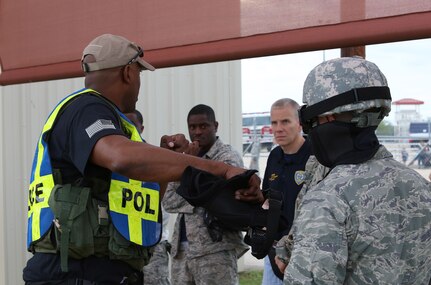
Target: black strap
355	95
275	199
275	203
274	213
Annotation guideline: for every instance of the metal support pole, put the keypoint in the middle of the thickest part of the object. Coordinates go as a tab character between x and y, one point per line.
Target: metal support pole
255	153
255	149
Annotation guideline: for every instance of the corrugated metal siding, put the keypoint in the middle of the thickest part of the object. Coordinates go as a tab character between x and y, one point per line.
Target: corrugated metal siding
166	97
168	94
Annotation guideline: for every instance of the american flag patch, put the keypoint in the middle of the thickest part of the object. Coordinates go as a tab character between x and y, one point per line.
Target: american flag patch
99	125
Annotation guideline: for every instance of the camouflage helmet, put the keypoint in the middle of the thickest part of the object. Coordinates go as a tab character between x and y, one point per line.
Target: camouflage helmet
340	75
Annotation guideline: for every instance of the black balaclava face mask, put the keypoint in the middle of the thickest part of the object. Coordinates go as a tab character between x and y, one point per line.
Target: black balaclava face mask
336	143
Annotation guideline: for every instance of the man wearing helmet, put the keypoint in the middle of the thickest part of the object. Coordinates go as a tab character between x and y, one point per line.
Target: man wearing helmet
369	220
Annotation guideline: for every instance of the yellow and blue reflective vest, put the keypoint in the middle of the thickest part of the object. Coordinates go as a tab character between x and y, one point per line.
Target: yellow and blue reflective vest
134	206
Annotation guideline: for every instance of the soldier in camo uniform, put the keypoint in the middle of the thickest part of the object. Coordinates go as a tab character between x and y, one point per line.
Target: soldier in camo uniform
369	220
203	254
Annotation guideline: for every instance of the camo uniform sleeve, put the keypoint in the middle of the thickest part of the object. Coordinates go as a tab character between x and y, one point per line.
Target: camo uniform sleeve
283	248
174	203
385	224
317	258
315	172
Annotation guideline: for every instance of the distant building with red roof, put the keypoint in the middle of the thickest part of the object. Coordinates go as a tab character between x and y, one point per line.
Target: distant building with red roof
407	101
406	111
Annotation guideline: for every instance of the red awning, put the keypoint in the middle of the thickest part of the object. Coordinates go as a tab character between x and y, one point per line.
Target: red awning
408	101
43	40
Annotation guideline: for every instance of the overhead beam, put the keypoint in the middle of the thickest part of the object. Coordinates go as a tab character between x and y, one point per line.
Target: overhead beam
350	34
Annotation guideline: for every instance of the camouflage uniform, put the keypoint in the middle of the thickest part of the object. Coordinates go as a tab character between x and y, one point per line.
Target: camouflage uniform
314	173
367	223
156	272
207	262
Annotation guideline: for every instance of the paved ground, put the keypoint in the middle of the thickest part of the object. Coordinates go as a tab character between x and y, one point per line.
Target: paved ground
249	262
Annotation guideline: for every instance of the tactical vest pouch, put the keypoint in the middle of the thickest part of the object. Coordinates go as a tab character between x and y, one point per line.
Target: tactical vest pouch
83	229
120	248
73	225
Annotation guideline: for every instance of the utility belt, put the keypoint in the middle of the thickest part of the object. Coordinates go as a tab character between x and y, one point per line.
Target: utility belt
82	228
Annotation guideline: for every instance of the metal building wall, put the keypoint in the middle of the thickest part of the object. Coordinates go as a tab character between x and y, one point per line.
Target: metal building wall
166	96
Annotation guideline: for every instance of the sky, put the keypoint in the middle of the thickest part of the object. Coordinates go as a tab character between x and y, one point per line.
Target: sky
406	65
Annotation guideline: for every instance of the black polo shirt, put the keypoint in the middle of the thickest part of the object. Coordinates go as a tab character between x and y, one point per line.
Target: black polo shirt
78	128
286	173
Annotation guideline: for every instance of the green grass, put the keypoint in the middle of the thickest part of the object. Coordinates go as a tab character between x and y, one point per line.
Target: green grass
250	277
